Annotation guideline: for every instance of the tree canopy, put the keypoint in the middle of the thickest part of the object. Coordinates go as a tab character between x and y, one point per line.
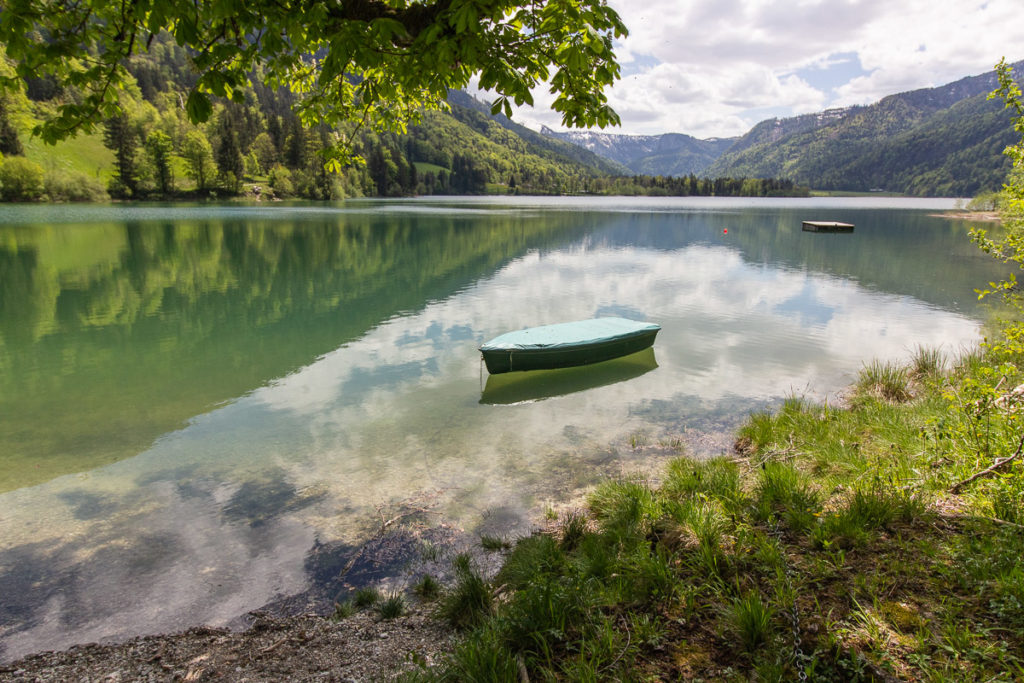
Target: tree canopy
351	63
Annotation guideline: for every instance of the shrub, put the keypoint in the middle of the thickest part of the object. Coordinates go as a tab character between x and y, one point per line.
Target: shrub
280	181
986	201
21	180
71	186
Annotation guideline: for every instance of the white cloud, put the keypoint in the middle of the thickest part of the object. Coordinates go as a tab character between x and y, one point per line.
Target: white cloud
712	67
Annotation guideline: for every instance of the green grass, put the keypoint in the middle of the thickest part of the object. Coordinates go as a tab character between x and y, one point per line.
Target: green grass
470	601
888	381
343	610
493	543
927	362
838	518
427	587
367	597
84	154
749	618
391	607
425	167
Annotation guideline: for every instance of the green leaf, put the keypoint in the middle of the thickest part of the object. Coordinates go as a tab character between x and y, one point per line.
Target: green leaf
198	107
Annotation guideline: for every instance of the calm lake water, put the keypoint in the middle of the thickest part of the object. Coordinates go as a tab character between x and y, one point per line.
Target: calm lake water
206	410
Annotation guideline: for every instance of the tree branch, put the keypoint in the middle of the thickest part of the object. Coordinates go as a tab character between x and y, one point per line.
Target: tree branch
957	487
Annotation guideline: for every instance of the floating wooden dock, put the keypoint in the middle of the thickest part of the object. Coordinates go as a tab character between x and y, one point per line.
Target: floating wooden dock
827	226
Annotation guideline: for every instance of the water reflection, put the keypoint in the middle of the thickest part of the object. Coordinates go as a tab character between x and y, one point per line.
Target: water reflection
537	385
263	394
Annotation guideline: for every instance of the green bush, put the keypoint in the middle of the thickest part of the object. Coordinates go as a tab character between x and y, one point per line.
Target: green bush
21	180
71	186
280	181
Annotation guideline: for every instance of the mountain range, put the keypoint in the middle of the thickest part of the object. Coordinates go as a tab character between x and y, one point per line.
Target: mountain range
671	154
946	140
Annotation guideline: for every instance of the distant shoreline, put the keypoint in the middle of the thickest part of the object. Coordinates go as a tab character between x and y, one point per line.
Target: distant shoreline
988	216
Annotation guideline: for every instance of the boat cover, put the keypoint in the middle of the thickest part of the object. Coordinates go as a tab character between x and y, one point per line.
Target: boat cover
567	335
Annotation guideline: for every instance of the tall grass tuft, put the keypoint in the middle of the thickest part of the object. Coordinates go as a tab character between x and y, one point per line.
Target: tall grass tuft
494	543
782	490
869	508
887	381
649	578
553	612
366	597
483	656
750	619
469	602
716	478
427	587
391	607
760	432
625	508
574	528
533	556
927	362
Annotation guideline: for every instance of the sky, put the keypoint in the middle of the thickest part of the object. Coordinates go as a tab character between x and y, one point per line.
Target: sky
715	68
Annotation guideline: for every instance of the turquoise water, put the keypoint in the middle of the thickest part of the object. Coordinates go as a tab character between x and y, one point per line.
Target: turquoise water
196	401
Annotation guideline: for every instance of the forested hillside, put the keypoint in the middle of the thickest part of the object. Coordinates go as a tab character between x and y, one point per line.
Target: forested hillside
259	147
934	141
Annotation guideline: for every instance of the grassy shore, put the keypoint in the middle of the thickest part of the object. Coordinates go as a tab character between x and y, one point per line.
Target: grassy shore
838	544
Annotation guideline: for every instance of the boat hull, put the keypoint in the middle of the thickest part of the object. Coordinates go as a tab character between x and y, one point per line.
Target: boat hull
827	226
567	355
510	388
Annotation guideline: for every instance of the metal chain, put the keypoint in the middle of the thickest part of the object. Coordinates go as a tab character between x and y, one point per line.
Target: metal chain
799	656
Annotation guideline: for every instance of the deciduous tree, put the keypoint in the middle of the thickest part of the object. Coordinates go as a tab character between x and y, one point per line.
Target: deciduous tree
159	147
199	154
357	62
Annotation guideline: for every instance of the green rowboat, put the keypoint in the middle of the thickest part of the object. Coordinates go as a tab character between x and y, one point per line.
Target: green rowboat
567	344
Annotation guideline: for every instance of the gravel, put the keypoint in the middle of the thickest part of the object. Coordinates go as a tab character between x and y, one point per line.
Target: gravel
362	647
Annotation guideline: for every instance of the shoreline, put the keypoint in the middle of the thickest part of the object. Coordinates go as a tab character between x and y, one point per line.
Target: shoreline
986	216
300	648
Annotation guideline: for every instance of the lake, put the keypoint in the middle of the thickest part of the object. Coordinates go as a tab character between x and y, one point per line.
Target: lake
210	409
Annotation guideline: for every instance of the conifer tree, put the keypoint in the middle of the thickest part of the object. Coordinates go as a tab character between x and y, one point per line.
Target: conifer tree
10	145
120	137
